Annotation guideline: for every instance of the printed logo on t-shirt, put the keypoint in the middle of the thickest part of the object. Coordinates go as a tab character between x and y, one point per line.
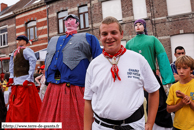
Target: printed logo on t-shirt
192	95
133	73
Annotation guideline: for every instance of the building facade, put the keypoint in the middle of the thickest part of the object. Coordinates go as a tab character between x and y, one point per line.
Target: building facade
171	21
27	17
32	22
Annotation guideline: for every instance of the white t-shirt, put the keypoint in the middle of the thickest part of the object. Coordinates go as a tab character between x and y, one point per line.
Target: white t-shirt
120	99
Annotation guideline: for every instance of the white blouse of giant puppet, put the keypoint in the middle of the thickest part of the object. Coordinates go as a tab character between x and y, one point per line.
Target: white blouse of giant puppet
71	25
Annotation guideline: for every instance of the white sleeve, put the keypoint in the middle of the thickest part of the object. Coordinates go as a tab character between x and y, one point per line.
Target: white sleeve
150	82
88	93
9	89
11	65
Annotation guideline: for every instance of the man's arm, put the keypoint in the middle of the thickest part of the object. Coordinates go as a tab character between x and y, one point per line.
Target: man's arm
37	79
95	45
88	115
153	103
176	77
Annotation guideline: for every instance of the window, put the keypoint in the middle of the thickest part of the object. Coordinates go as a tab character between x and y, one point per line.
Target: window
83	17
178	7
61	23
112	8
31	30
184	40
139	9
3	36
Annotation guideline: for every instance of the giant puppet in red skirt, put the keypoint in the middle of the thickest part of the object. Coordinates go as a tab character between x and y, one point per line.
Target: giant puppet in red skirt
24	104
24	101
66	62
63	104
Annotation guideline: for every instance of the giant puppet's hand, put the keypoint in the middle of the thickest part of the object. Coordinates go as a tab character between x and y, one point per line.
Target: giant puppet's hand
10	82
26	83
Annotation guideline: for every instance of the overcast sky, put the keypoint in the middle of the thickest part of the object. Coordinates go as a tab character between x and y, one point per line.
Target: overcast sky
9	2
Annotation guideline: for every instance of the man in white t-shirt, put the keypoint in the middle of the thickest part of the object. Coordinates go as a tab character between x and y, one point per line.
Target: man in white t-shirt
114	85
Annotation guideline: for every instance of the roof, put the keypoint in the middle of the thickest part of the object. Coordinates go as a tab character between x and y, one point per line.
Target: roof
32	4
3	11
49	1
19	6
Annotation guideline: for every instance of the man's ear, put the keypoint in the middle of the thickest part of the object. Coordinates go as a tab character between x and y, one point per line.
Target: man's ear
122	34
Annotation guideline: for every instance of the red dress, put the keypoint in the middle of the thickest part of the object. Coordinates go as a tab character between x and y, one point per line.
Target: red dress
63	104
24	103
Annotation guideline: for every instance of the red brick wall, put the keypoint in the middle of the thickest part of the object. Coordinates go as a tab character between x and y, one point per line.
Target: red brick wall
158	24
42	25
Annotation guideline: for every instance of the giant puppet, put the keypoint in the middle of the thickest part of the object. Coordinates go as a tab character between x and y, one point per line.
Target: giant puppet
24	101
66	62
151	48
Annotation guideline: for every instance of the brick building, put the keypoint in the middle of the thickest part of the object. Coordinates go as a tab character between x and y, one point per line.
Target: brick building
31	21
171	23
26	17
7	26
7	33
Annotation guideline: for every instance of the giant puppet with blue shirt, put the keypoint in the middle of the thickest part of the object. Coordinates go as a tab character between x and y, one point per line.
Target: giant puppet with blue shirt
67	59
24	101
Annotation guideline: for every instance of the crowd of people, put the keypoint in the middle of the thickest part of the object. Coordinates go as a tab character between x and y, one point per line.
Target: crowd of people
87	88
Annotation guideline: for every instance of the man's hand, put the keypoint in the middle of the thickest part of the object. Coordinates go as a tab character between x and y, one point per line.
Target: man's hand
148	126
192	76
176	77
179	94
10	82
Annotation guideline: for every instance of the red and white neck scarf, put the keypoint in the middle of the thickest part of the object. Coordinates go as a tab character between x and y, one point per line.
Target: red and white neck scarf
70	33
18	50
114	69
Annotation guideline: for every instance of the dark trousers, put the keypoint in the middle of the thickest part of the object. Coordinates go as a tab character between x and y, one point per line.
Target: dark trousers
163	118
175	128
3	109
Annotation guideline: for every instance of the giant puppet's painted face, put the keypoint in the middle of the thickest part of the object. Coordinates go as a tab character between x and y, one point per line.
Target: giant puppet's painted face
71	24
139	28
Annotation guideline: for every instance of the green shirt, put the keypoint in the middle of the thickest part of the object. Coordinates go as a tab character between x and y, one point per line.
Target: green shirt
151	48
